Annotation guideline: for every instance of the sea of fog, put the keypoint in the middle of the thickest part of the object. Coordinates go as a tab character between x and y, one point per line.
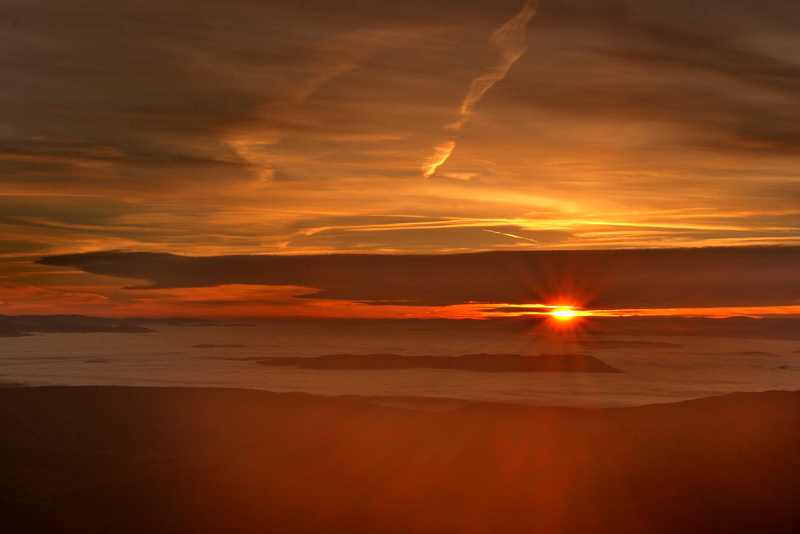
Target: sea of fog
691	367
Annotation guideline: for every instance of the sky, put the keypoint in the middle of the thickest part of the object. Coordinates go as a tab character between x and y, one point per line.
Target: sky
144	138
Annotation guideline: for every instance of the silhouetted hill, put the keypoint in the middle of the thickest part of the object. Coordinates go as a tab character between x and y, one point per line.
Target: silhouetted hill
486	363
58	327
218	346
7	330
11	325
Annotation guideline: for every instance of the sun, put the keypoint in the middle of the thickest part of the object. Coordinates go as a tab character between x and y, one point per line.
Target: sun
563	314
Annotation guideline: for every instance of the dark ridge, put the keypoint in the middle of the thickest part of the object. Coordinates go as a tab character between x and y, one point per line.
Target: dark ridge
16	325
130	329
90	319
213	346
485	363
63	323
7	330
56	327
615	344
209	324
787	328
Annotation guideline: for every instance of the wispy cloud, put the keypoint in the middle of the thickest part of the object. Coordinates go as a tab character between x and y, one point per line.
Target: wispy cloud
510	40
336	56
511	235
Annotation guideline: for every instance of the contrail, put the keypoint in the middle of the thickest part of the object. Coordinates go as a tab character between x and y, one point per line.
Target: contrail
510	40
510	235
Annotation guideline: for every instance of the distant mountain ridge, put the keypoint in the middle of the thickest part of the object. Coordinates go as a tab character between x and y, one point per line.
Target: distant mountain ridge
24	325
485	363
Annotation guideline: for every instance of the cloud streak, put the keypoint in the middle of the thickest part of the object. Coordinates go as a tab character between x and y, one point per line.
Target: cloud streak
509	39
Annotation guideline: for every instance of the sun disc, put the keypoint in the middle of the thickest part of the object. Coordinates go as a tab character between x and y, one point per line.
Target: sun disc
563	314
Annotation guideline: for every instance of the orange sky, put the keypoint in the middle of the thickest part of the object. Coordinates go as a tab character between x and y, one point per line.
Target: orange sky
424	127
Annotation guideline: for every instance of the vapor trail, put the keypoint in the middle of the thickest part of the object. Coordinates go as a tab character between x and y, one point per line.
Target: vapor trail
510	40
510	235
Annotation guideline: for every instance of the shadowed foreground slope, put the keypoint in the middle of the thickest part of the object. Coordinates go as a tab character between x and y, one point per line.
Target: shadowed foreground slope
113	459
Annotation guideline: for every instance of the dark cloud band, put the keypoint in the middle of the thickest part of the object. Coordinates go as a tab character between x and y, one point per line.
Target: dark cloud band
593	279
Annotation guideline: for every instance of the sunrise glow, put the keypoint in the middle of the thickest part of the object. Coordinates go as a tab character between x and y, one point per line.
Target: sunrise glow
406	267
564	314
264	191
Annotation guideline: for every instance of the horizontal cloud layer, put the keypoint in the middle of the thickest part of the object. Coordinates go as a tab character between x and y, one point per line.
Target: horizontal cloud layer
592	279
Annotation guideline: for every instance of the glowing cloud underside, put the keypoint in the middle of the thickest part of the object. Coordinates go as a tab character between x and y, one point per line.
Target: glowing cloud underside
441	153
510	40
